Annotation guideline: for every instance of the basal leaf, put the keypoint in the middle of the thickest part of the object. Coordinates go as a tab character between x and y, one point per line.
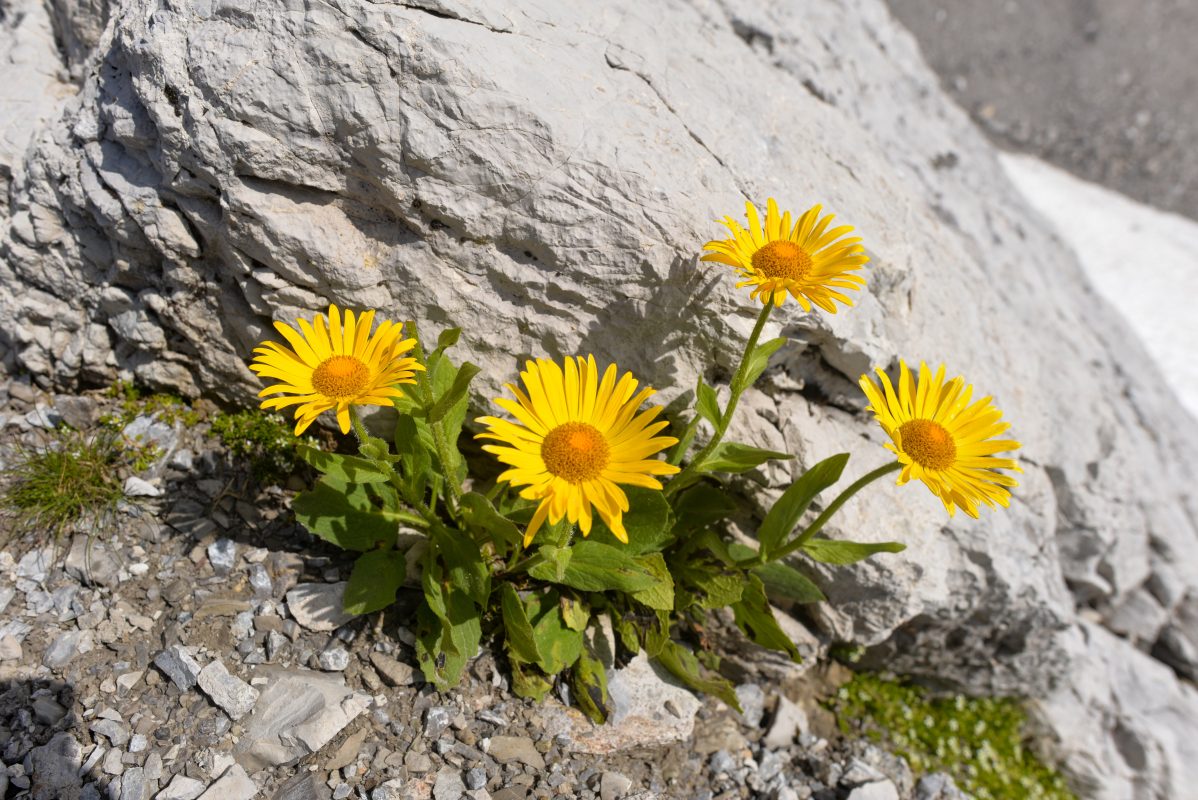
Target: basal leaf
756	619
350	469
683	664
355	516
588	682
553	566
700	506
527	681
737	457
835	551
575	613
376	578
521	641
598	567
465	569
785	513
661	594
787	582
648	523
481	516
557	645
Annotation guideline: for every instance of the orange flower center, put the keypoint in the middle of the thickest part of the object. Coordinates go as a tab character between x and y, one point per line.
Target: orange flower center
575	451
782	259
340	376
928	444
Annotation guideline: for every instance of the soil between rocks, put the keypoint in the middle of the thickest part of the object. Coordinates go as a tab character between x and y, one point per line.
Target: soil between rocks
128	669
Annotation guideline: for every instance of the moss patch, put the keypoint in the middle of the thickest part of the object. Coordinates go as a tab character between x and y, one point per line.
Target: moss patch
264	440
979	741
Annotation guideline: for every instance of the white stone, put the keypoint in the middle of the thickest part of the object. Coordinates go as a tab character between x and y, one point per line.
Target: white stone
235	784
318	606
181	787
139	487
228	691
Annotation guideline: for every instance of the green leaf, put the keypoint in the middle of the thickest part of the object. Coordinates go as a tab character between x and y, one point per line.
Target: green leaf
521	641
465	569
737	457
700	506
785	513
355	516
626	628
598	567
480	515
705	573
376	578
350	469
588	682
783	581
707	404
835	551
558	645
661	594
444	648
447	339
756	619
376	450
684	666
760	359
648	523
553	567
456	393
528	682
415	453
575	613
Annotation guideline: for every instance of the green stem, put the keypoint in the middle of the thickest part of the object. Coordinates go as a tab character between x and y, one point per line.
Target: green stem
833	507
737	388
426	515
439	441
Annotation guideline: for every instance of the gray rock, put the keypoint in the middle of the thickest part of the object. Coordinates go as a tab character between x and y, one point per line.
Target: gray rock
275	642
115	732
476	778
222	555
139	487
47	711
43	417
78	411
147	429
752	703
235	784
318	606
182	460
298	713
335	659
181	787
178	665
228	691
55	768
613	786
436	720
789	721
134	785
137	743
7	593
395	673
260	582
938	786
91	560
10	648
508	749
35	565
302	787
153	767
448	785
63	649
882	790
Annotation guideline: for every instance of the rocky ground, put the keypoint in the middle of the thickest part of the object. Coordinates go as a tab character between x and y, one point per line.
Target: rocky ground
195	648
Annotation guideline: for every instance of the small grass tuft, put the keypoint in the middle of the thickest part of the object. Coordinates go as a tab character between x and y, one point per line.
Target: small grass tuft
264	440
980	742
72	477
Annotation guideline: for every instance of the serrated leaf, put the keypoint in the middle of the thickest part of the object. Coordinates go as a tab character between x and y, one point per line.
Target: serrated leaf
787	582
705	573
789	508
376	578
480	515
683	664
553	567
588	682
737	457
700	506
648	523
760	359
756	619
456	392
375	449
465	569
707	404
598	567
661	594
521	642
350	469
355	516
835	551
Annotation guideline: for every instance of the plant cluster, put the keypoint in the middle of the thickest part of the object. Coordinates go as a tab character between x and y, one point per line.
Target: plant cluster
579	532
133	402
264	441
980	742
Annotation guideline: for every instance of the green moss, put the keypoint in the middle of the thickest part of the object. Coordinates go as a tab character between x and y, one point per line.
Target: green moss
166	407
980	742
266	440
74	476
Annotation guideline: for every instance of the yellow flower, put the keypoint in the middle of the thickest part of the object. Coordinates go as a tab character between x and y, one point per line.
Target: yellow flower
335	366
943	440
807	260
574	439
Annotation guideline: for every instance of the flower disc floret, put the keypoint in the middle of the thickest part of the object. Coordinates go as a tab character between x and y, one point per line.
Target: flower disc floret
574	439
811	261
944	439
333	364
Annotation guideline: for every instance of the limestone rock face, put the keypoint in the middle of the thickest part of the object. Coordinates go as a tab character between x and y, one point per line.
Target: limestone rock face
543	176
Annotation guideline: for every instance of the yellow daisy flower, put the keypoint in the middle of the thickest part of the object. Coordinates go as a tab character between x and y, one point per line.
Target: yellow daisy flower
943	440
807	260
574	439
335	366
